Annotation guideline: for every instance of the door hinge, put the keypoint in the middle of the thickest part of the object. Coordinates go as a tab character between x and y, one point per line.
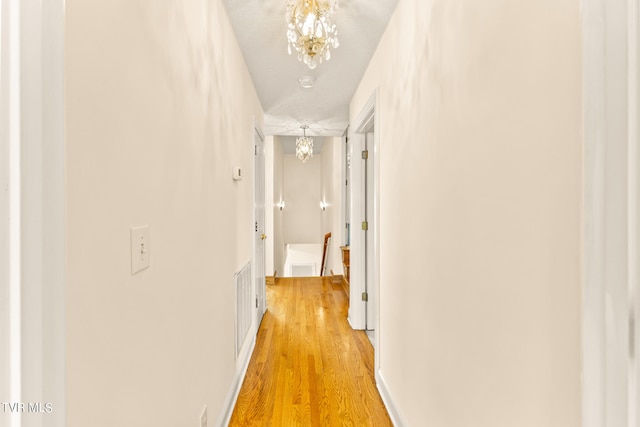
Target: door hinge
256	226
365	225
365	155
256	302
255	150
365	296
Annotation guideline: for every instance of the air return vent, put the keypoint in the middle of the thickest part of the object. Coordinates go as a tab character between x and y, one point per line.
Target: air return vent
244	305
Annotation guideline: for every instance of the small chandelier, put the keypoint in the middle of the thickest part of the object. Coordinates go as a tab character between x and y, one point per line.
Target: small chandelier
304	145
310	30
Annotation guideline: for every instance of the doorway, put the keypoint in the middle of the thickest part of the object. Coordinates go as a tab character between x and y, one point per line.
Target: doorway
364	166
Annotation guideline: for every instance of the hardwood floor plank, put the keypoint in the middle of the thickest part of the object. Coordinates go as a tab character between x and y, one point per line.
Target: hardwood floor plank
309	368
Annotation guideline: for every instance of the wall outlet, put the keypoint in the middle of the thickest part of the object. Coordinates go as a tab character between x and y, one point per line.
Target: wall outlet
203	417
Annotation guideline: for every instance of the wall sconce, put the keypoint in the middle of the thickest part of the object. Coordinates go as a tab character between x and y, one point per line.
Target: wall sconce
323	206
281	204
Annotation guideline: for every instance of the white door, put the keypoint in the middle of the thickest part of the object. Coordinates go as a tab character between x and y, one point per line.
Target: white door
260	236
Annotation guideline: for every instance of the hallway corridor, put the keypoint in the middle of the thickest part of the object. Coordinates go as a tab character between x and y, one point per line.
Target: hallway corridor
150	183
309	368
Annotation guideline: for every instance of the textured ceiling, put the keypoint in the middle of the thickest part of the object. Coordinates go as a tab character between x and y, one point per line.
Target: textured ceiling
260	28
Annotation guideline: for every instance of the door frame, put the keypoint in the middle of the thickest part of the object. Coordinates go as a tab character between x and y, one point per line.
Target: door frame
611	301
345	215
357	308
32	212
259	291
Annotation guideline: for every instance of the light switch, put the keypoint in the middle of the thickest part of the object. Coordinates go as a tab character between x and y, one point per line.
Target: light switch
237	173
139	248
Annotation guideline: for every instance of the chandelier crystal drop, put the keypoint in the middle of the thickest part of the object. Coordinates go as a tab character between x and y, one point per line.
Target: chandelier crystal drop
310	30
304	145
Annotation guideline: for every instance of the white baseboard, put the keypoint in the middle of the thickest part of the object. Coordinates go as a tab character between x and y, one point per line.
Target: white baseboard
234	391
351	323
394	413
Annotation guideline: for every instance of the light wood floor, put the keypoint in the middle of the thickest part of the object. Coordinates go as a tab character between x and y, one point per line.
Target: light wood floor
309	368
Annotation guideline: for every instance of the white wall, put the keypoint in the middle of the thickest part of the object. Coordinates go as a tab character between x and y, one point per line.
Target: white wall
159	108
480	211
269	208
278	215
302	185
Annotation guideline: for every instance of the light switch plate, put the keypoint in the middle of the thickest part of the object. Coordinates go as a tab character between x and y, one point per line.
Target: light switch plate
139	248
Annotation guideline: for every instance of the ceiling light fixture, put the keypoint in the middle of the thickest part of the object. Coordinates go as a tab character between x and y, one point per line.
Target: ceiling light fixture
304	145
306	82
310	30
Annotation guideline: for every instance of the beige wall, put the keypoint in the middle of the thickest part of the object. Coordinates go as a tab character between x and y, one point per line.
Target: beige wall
480	201
301	186
160	106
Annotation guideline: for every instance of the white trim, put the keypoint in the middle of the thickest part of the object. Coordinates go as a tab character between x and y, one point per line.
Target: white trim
396	416
632	213
15	215
610	246
257	129
5	207
236	384
357	307
356	248
269	206
52	15
368	116
593	317
343	187
376	229
33	113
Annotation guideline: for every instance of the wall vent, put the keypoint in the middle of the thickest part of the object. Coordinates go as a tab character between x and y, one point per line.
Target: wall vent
244	305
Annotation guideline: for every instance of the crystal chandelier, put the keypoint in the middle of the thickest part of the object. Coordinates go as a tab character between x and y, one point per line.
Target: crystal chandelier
310	30
304	145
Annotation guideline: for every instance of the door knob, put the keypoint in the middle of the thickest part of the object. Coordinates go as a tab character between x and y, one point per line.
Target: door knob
263	236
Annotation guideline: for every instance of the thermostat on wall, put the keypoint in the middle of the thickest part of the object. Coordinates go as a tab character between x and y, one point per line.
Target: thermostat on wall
237	173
